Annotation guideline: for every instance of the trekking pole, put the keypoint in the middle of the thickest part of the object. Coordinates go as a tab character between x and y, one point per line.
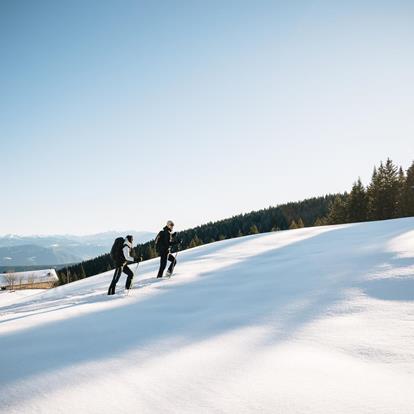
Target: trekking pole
175	258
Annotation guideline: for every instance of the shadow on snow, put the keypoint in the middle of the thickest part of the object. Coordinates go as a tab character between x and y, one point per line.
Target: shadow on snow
286	299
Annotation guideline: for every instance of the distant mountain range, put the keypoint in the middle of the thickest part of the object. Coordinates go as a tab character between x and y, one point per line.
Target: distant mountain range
35	251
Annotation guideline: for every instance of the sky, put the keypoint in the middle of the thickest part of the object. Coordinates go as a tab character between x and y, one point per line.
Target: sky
124	114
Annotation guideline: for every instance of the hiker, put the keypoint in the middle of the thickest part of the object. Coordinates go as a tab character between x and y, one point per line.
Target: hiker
163	242
121	255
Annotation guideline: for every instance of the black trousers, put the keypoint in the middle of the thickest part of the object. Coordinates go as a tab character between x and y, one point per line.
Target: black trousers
164	256
118	272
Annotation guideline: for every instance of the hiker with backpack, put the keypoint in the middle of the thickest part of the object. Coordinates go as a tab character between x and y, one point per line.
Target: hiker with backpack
121	255
163	242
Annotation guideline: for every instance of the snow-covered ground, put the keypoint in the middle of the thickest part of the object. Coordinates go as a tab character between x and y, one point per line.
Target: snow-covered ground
316	320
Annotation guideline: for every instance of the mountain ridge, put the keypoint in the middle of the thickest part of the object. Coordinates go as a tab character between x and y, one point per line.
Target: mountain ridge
53	250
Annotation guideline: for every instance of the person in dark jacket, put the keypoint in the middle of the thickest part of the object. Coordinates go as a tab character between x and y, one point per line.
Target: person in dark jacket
163	242
122	266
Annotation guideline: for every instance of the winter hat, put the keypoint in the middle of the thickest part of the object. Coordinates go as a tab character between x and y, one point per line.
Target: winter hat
170	223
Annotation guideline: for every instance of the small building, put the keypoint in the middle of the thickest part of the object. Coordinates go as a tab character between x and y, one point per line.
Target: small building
34	279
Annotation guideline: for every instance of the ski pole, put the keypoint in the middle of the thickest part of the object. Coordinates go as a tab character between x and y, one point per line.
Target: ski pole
175	257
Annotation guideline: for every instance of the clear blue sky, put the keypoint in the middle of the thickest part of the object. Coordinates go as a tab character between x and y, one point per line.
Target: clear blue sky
123	114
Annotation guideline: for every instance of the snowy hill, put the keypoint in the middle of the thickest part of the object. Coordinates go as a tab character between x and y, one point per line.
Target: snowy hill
317	320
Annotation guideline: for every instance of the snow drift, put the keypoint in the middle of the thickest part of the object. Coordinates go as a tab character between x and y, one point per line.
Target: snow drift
316	320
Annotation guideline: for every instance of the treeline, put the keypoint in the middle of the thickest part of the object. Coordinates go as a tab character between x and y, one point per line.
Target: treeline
308	212
390	194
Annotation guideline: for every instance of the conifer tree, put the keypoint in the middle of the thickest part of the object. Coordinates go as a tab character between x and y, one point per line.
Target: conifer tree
338	213
383	192
400	197
293	225
253	229
407	202
151	253
320	221
300	223
82	273
357	203
195	241
373	195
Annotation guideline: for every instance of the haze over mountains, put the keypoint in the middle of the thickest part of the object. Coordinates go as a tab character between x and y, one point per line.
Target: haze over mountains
55	250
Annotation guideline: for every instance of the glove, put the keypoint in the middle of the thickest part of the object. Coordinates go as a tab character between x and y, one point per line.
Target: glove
138	259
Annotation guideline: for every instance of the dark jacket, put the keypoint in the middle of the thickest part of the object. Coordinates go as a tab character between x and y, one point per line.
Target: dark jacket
164	240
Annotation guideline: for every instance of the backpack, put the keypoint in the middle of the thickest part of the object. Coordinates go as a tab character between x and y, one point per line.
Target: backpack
116	251
158	242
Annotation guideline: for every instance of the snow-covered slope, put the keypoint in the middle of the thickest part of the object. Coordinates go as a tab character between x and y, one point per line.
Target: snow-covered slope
316	320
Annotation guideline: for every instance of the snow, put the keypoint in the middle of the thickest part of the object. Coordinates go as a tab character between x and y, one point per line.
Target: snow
10	297
314	320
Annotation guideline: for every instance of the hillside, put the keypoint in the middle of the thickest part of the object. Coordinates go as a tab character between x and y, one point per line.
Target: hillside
280	217
314	320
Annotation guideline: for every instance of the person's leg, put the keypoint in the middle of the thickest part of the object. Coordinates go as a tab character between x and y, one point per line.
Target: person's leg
111	286
171	258
163	263
130	275
117	275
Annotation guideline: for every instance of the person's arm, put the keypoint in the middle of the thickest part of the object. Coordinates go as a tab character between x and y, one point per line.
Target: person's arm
174	241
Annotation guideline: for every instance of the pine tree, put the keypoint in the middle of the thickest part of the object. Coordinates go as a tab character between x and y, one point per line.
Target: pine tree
195	241
300	223
383	192
372	195
293	225
338	213
253	229
82	273
400	197
320	221
407	202
357	203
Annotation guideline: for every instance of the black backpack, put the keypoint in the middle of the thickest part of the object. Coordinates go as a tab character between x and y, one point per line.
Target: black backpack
158	242
117	254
